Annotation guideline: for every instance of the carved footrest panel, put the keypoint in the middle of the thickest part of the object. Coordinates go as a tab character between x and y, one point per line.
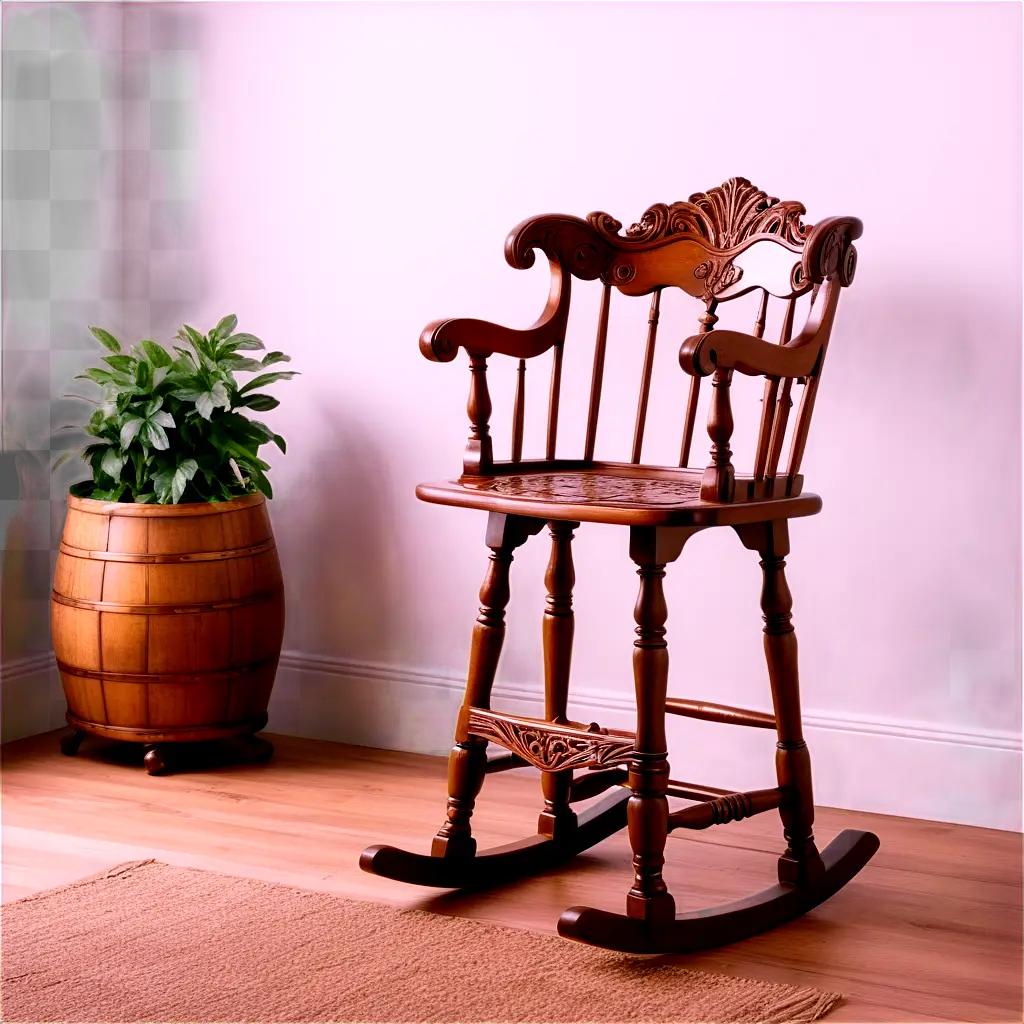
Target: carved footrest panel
548	746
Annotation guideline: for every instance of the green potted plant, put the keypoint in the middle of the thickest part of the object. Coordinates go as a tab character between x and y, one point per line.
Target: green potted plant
167	610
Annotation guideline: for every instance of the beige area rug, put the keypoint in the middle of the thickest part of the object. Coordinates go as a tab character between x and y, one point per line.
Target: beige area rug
148	942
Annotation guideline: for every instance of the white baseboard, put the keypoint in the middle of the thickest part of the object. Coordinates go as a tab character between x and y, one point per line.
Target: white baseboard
916	769
31	699
888	766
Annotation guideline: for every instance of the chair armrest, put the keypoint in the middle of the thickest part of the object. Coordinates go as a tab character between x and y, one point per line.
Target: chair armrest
442	339
702	354
573	248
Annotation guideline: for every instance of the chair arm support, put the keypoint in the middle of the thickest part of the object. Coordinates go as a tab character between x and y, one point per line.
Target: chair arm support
702	354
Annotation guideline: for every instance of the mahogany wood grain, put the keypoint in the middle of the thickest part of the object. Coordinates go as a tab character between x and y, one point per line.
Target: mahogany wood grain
597	376
554	396
707	322
649	898
557	635
724	713
725	808
729	241
801	862
519	412
645	377
479	454
467	763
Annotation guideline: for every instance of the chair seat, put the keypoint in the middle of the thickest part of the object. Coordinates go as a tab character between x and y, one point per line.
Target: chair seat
626	495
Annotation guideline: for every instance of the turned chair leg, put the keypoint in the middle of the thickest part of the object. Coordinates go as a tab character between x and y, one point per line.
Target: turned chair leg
468	759
558	818
801	864
647	810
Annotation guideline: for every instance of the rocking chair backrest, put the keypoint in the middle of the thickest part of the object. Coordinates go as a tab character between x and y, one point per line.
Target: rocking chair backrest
721	244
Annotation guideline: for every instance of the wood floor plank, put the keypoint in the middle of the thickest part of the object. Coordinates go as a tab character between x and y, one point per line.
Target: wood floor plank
930	930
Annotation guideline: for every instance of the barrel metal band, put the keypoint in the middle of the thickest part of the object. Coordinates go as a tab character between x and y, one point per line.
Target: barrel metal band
184	556
222	675
165	609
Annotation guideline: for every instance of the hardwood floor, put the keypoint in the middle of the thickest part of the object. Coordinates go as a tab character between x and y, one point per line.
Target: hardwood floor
931	930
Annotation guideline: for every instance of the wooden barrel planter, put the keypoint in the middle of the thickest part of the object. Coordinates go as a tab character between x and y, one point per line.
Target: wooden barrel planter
167	621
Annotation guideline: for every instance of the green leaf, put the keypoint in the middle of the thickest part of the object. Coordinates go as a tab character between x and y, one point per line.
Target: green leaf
256	428
185	362
267	378
193	336
129	429
123	363
153	432
155	435
112	463
96	375
170	484
262	483
244	342
226	326
111	494
261	403
106	339
156	353
162	485
241	363
216	397
275	357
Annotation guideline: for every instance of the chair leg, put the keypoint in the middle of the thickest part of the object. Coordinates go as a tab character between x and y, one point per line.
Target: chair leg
468	758
557	819
647	811
801	864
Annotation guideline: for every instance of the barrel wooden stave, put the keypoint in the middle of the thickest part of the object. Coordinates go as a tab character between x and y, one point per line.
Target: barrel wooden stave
168	620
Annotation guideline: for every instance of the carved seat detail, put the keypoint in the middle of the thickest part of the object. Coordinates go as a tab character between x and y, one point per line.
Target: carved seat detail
597	488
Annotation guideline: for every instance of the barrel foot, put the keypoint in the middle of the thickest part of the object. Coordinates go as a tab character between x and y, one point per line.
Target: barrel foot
155	760
253	749
70	742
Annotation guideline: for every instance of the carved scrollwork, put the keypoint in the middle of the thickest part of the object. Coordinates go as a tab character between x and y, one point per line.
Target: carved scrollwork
551	747
724	217
717	275
830	250
596	488
849	266
569	241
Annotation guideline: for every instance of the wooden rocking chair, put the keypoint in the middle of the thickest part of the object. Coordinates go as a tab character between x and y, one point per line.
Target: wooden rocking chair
720	244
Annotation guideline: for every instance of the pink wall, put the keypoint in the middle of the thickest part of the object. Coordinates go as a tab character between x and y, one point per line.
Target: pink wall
362	166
